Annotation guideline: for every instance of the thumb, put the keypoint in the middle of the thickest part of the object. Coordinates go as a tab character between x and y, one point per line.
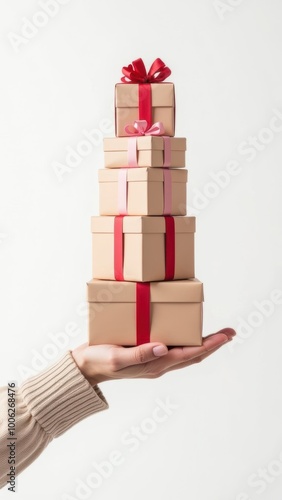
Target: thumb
141	354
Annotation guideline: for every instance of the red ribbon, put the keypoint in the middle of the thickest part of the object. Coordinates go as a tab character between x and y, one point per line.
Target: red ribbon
143	313
136	72
167	192
145	103
169	247
143	303
118	247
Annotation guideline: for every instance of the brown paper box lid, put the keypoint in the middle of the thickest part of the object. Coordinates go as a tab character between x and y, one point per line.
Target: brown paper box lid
142	224
161	291
147	142
127	95
142	174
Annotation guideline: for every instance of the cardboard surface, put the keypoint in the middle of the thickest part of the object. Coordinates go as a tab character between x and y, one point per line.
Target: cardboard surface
150	151
163	106
145	191
176	312
144	248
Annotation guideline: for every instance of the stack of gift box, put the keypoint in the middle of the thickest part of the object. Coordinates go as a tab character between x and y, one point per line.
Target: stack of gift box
144	287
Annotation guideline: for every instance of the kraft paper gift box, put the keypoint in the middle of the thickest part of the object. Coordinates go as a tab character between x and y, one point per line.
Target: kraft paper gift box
142	191
125	313
162	106
150	151
140	248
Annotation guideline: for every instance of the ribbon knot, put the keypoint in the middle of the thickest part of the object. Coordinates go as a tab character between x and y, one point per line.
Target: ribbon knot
140	127
137	73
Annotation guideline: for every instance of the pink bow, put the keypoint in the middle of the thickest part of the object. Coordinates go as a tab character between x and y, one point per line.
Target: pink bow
140	127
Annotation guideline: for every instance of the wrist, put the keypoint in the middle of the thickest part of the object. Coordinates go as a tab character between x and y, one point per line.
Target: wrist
88	364
78	355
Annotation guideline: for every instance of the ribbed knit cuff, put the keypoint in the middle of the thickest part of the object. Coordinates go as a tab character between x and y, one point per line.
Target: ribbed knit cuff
60	396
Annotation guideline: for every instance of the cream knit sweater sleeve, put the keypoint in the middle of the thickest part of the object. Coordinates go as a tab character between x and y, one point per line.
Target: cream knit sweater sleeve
47	405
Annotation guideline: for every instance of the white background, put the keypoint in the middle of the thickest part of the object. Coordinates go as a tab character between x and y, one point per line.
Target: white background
225	58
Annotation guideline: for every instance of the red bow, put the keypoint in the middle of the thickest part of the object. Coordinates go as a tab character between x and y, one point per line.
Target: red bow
136	72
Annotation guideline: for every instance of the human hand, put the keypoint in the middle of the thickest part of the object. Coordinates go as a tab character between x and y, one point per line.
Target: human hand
99	363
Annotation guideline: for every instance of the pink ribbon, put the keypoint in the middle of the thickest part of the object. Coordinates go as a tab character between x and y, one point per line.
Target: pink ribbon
132	152
122	191
140	128
167	192
167	152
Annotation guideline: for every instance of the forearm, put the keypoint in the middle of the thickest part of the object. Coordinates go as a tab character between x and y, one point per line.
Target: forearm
46	406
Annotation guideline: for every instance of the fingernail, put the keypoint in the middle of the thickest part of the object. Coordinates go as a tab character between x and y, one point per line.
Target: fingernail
160	350
228	331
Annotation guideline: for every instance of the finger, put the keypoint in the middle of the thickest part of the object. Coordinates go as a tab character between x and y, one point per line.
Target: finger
125	357
178	355
193	361
150	352
184	355
230	332
190	362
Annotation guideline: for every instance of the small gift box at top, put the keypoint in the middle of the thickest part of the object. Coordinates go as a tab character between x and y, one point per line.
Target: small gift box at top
142	191
140	248
146	151
143	96
134	313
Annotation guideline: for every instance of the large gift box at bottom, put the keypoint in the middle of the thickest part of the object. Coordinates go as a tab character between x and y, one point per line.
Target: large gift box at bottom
126	313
